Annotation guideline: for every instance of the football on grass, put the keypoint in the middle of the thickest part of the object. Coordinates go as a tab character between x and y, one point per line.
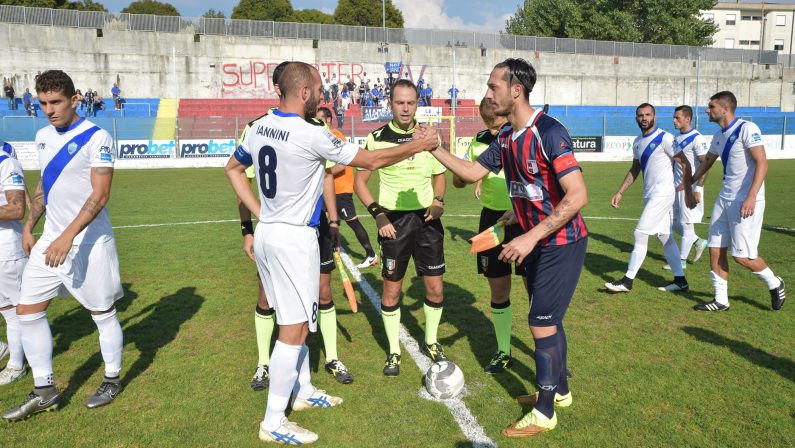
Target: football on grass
444	380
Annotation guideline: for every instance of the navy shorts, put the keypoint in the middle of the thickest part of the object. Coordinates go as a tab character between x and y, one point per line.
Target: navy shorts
488	262
552	274
326	248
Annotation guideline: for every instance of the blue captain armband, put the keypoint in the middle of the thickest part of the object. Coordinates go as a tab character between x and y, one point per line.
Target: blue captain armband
242	156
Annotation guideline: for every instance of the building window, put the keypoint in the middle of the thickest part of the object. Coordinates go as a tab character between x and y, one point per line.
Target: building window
781	20
728	43
731	19
748	42
708	17
754	17
778	44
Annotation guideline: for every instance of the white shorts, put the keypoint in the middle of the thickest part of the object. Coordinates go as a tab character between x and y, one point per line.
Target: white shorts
728	229
90	274
10	281
288	260
685	215
657	216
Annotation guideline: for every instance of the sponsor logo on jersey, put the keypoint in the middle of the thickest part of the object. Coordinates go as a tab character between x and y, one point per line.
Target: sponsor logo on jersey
106	158
206	148
15	178
336	141
42	146
756	138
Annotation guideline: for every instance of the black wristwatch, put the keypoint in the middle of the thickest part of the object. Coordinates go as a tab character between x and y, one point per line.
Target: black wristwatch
439	198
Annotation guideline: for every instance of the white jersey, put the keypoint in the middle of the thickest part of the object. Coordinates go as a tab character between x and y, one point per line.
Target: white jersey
654	151
693	145
289	155
66	156
7	149
732	145
11	179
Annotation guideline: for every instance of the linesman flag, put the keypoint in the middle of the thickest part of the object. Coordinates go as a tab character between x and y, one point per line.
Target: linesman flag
488	238
346	282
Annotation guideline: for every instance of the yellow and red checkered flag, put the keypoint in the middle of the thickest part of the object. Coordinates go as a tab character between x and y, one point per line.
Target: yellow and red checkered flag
488	238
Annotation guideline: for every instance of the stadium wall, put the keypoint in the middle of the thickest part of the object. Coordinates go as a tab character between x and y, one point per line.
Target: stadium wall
185	65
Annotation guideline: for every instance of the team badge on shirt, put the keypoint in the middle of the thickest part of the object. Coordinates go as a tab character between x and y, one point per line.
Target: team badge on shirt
484	261
390	264
72	148
532	166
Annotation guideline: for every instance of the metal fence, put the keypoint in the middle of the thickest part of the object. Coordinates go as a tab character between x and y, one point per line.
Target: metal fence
408	36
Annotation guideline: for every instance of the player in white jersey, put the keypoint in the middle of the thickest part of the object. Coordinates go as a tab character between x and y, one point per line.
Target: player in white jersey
76	254
289	156
740	206
694	146
654	152
12	259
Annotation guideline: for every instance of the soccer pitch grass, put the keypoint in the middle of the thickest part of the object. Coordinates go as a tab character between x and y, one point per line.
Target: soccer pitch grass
648	370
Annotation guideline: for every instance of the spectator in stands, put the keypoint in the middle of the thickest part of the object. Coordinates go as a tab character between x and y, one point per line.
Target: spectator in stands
81	100
420	87
351	85
89	100
335	88
116	92
427	94
453	92
9	90
366	80
27	101
346	97
368	99
99	103
362	90
340	111
391	80
387	90
326	89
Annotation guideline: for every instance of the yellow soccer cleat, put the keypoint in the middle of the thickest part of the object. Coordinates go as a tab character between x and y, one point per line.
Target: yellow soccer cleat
532	424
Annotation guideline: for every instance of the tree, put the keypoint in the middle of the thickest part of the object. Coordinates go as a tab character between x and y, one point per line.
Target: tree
660	22
367	13
276	10
312	16
81	5
151	7
214	14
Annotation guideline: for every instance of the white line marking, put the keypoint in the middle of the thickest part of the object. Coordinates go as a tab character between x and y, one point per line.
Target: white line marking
463	416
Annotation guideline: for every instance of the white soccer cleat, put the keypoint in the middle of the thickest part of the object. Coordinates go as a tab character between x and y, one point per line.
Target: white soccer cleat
319	399
3	349
618	286
701	245
288	433
667	267
674	287
369	261
10	374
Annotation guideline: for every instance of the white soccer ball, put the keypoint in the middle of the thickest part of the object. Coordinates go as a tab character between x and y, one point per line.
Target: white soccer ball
444	380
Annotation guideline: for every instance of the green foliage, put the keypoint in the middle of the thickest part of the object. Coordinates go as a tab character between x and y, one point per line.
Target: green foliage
276	10
151	7
214	14
367	13
312	16
81	5
661	22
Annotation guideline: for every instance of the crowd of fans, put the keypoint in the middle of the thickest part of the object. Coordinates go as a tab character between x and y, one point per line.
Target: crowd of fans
90	102
342	93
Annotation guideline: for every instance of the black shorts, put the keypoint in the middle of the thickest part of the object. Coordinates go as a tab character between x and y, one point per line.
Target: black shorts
326	249
345	208
552	275
415	238
488	263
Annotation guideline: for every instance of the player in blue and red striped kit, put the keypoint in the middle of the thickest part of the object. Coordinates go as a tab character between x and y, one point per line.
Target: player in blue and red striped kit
547	193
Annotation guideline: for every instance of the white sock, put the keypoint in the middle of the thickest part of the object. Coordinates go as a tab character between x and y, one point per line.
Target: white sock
638	254
16	358
769	277
303	387
672	255
37	343
283	373
111	341
721	288
689	238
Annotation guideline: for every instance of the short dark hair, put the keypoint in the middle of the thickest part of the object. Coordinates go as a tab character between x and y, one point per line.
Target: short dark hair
325	111
519	72
55	81
403	83
277	72
295	75
645	105
686	110
726	97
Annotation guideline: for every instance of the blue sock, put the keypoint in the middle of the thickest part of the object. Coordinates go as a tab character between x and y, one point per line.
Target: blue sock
548	363
563	382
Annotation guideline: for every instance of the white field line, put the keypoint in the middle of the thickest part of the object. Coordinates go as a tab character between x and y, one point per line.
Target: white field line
463	416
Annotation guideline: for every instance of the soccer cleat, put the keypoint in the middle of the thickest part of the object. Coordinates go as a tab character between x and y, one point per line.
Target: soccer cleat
369	261
106	393
532	424
675	287
618	286
561	401
10	374
667	267
778	295
288	433
499	362
434	351
3	349
319	399
392	365
340	372
43	399
711	306
701	245
262	378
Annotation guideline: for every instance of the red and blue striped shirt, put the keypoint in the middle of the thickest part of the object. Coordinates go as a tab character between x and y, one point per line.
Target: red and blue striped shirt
534	159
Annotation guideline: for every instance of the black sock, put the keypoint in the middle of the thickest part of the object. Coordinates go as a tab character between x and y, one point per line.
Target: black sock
563	382
680	280
627	282
548	363
361	235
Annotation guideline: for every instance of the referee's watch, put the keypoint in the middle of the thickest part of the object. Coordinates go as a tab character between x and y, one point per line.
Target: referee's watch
439	198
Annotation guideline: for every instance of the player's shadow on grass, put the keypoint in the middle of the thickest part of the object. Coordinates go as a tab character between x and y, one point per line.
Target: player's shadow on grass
784	367
158	328
779	230
457	233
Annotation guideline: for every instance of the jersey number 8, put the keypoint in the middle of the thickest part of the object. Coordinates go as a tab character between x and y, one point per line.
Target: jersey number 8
267	171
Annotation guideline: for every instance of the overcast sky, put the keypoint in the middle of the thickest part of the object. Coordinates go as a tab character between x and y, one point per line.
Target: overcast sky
479	15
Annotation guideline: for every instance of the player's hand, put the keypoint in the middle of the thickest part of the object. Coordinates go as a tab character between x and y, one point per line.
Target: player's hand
429	137
690	200
248	246
477	190
435	211
517	249
748	207
616	200
509	217
334	235
55	254
28	241
385	227
697	195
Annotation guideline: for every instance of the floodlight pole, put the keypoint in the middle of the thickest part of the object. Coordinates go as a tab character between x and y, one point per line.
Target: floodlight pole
698	82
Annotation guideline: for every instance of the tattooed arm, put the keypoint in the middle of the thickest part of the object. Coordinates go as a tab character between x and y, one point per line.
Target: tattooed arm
574	199
101	178
629	179
15	207
36	211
